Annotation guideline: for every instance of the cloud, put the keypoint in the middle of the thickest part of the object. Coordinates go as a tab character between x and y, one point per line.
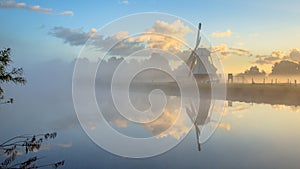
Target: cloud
220	48
227	33
126	2
294	55
236	52
227	52
177	28
77	37
21	5
266	60
11	4
40	9
67	13
74	37
121	123
242	51
162	34
165	121
37	8
225	126
261	60
277	56
239	107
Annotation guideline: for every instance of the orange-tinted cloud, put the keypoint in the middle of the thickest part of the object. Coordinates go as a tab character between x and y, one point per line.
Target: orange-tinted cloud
165	36
226	51
277	56
160	127
225	34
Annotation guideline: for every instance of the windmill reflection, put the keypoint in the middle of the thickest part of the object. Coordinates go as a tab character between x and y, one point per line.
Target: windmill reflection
201	118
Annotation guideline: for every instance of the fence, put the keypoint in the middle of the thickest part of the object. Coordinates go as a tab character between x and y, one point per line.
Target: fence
247	79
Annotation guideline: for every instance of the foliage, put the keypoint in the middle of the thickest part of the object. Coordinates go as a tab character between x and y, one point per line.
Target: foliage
30	143
15	146
9	73
286	68
253	71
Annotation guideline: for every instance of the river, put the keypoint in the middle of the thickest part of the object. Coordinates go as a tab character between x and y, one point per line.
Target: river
249	135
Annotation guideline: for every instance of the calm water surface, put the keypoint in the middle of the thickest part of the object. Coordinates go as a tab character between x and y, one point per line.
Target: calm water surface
248	136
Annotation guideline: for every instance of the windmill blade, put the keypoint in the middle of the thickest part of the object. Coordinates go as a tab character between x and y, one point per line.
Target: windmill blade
193	56
193	109
197	44
190	114
199	26
198	36
191	62
198	137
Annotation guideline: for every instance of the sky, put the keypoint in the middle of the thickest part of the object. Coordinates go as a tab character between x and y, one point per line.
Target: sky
245	33
46	34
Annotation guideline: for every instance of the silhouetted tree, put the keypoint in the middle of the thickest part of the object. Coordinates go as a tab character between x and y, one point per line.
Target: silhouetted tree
253	71
286	68
28	143
8	73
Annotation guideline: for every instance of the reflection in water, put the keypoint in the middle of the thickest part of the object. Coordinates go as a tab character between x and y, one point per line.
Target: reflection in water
201	118
267	136
167	119
184	113
24	144
261	135
264	94
158	128
282	107
238	108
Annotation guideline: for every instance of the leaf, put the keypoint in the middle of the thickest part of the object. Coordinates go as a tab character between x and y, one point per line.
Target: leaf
60	163
33	139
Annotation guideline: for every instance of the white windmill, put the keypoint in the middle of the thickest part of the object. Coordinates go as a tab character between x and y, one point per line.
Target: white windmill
202	68
200	61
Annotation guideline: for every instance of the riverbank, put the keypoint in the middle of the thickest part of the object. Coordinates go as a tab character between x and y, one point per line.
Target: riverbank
288	94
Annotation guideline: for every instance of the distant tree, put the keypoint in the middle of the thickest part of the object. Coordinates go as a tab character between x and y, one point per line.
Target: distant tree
8	73
253	71
286	68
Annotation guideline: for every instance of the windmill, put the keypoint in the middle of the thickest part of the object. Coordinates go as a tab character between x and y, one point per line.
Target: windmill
200	61
202	68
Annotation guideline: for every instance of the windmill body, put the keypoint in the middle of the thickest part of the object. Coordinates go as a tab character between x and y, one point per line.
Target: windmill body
204	70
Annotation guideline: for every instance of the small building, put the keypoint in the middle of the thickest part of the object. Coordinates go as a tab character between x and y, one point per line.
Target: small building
230	77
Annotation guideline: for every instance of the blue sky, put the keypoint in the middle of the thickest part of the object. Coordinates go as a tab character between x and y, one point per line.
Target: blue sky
259	26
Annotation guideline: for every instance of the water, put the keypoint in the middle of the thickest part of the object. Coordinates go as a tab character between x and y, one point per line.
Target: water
248	136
